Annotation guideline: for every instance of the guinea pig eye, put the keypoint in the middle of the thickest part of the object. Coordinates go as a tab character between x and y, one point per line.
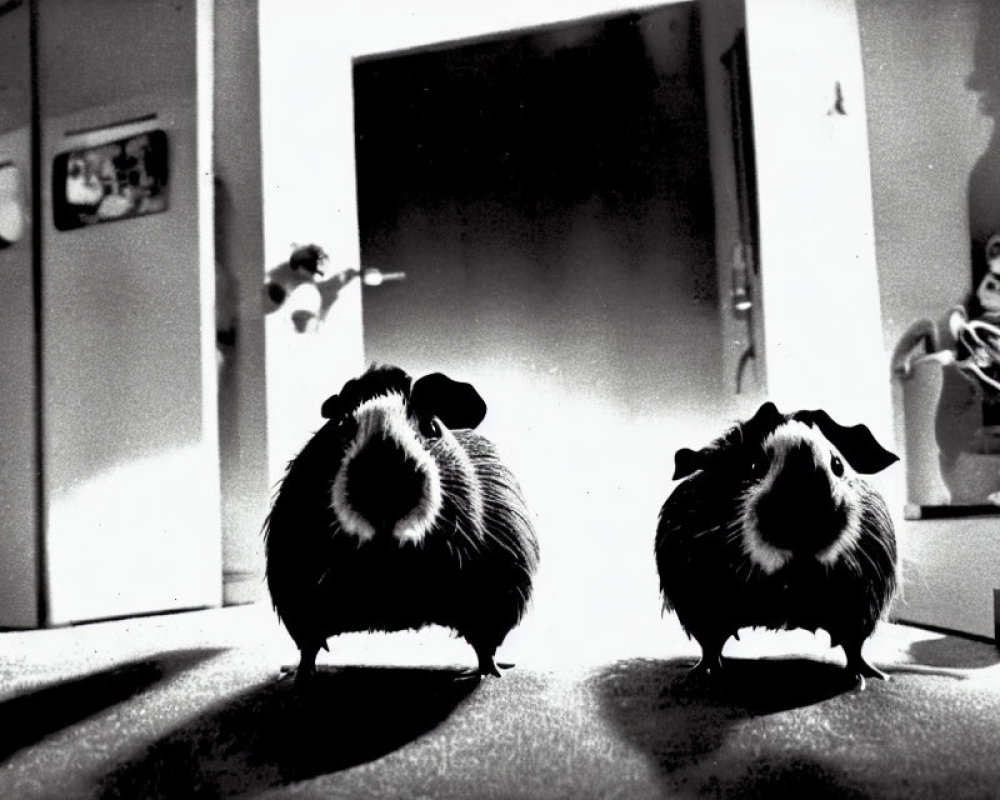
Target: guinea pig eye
758	467
430	428
837	466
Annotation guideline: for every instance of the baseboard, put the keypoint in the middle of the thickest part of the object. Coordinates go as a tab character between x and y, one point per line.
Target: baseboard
915	623
242	588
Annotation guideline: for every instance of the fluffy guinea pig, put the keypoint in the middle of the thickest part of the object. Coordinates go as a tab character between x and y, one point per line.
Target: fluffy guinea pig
773	526
397	515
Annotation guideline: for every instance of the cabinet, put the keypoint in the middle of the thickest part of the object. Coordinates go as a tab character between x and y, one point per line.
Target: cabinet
110	481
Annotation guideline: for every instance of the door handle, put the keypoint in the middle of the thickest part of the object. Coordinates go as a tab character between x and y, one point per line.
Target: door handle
741	299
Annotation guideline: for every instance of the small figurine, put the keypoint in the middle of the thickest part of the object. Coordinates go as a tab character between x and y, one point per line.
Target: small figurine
975	327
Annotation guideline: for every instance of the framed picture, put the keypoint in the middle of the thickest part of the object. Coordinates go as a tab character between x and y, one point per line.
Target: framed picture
118	180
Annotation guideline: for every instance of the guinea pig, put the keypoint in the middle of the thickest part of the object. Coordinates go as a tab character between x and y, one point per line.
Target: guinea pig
773	526
397	515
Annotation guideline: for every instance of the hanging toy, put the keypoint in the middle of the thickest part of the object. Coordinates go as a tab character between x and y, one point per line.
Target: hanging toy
300	285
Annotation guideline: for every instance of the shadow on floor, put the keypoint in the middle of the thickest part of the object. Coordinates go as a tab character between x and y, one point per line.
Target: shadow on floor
274	735
685	728
31	716
956	652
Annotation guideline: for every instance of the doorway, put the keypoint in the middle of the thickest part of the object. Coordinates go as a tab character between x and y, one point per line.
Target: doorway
548	196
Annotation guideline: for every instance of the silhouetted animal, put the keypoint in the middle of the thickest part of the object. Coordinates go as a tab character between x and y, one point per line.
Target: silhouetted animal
397	515
772	526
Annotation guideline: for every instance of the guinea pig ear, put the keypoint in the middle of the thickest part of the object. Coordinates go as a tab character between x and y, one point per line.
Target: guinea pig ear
856	443
767	417
687	461
335	405
331	407
457	405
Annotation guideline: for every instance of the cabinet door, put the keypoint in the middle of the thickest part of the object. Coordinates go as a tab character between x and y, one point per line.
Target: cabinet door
18	447
129	425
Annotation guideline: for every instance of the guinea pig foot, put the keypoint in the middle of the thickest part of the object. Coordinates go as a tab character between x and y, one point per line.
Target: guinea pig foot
305	672
288	672
708	670
861	669
487	666
477	673
305	678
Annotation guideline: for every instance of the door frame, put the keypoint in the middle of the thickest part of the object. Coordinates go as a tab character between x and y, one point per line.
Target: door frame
307	52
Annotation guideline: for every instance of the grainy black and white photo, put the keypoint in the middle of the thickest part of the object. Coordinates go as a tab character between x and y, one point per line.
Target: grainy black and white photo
547	399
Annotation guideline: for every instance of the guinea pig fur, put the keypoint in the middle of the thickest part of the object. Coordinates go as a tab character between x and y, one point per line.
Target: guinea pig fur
397	515
773	526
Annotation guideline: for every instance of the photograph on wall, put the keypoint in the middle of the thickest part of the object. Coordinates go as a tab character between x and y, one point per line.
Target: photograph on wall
113	181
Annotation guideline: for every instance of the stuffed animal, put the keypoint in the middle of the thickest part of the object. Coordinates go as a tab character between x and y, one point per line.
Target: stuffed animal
975	327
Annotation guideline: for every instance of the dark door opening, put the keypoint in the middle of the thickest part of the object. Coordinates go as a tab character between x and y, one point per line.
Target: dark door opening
548	196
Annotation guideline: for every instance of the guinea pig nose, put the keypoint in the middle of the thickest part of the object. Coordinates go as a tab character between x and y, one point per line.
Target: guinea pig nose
798	511
383	483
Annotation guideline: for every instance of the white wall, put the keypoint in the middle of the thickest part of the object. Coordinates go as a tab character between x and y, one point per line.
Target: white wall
822	319
307	146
